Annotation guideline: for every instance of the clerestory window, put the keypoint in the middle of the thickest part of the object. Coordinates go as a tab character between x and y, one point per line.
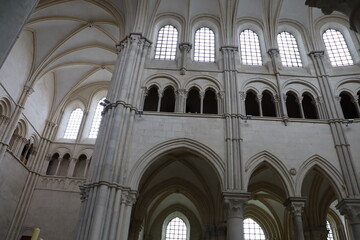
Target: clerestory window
73	124
289	50
176	229
337	48
204	47
166	43
330	235
96	120
250	48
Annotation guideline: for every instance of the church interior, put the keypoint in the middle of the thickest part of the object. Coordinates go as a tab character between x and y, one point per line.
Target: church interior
180	120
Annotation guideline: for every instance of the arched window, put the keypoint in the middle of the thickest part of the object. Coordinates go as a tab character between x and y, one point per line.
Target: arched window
330	235
252	230
193	101
308	106
252	104
152	99
204	47
168	100
250	48
96	120
348	106
289	50
64	165
176	230
166	43
337	48
268	104
80	166
292	105
73	124
53	164
210	104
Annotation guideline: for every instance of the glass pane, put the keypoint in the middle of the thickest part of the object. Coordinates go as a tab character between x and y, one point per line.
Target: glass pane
73	125
176	229
252	230
96	120
289	50
204	48
250	48
166	43
336	48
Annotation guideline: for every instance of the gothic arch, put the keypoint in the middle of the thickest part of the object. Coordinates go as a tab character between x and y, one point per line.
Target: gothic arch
162	81
209	82
327	170
266	157
199	149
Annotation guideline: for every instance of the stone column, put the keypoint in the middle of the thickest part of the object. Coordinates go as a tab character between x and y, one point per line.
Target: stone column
356	103
334	113
274	55
299	100
351	209
14	15
259	99
107	211
182	95
202	95
234	205
184	49
295	206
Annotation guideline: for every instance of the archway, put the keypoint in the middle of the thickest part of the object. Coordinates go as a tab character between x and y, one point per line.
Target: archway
179	181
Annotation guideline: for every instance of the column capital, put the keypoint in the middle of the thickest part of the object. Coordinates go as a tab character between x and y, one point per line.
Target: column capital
185	47
273	52
133	38
128	197
351	209
229	49
235	202
295	205
316	53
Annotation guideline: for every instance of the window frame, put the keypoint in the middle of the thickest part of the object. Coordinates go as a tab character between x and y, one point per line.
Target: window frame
259	45
205	53
170	217
156	38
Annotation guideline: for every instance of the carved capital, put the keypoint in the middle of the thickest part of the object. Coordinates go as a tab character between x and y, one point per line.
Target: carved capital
242	96
185	47
316	54
351	209
84	193
295	205
273	52
229	49
235	203
128	198
28	90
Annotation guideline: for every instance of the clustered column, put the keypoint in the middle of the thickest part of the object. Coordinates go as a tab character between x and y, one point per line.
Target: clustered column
108	200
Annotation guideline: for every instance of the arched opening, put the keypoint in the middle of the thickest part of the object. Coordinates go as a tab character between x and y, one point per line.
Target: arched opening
309	107
210	104
268	193
80	166
152	99
268	104
176	227
193	101
64	165
348	106
320	194
252	104
180	183
292	105
53	164
168	100
24	152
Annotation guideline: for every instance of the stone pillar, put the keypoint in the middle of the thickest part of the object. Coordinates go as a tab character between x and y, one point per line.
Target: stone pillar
274	55
14	15
109	200
234	205
335	116
351	209
259	100
202	95
299	100
295	206
184	49
181	100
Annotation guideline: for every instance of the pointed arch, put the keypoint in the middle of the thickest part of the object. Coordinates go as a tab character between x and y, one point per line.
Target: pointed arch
273	162
199	149
326	169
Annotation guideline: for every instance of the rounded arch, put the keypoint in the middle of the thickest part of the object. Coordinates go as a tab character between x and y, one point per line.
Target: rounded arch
326	169
264	84
5	107
351	85
305	86
274	163
203	82
164	19
162	81
199	149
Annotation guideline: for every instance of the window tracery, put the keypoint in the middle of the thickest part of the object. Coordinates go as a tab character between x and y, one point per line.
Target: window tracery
252	230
